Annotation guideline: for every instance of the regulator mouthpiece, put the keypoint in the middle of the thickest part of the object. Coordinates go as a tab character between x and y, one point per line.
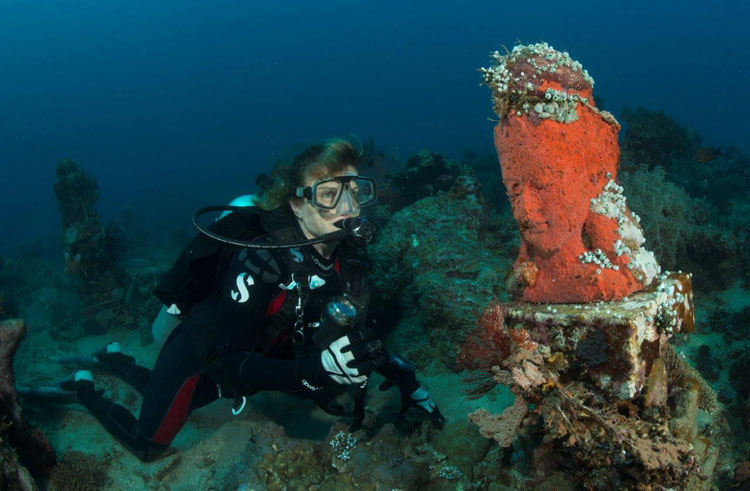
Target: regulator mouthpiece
359	229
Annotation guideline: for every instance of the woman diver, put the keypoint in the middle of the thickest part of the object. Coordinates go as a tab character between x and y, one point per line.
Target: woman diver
283	310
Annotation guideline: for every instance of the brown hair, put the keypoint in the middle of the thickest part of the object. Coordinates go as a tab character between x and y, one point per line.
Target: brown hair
316	161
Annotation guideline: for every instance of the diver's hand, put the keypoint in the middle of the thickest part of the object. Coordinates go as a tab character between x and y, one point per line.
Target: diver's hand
350	359
418	398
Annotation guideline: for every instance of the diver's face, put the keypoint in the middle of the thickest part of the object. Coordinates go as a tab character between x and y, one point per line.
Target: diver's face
316	222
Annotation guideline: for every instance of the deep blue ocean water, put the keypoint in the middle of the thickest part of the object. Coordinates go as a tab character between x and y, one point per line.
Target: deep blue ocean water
175	104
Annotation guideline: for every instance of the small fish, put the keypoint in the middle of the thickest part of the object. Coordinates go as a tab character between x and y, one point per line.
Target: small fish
706	154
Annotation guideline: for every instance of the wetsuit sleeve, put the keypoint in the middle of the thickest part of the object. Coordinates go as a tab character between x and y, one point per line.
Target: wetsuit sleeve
248	287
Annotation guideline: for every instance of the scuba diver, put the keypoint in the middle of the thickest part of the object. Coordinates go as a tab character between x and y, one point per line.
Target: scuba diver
270	297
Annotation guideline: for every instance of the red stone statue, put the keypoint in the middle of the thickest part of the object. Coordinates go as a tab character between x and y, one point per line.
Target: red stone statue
559	156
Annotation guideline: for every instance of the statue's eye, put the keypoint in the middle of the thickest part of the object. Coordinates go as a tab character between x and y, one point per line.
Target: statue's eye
514	189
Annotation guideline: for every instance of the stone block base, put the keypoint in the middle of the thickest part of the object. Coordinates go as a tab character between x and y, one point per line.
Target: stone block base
612	344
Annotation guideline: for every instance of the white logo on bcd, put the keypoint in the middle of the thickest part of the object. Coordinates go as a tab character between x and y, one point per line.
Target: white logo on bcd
241	295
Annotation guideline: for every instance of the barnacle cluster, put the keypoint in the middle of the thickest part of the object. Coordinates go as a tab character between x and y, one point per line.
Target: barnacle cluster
520	82
560	106
450	472
668	316
612	204
341	443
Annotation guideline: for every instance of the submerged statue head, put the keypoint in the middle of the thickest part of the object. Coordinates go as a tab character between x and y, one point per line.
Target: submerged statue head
558	155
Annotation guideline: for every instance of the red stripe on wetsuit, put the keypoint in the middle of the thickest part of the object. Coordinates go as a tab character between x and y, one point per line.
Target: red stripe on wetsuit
178	412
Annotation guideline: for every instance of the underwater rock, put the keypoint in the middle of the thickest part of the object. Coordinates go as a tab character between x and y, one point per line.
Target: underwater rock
21	446
441	286
559	157
424	174
614	343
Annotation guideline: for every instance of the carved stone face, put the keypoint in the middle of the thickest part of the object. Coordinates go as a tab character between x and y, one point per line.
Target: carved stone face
549	203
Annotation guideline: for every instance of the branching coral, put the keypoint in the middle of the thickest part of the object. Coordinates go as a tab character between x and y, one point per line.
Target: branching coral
668	213
486	347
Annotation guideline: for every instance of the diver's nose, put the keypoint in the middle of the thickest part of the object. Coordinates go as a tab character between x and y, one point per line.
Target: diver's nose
346	203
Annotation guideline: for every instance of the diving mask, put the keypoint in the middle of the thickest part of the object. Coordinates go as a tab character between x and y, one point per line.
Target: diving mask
341	194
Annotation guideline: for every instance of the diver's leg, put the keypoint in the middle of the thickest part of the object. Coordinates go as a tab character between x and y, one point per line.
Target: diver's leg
120	423
172	391
124	366
175	388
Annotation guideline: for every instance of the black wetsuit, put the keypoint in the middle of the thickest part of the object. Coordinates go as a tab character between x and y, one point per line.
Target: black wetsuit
235	342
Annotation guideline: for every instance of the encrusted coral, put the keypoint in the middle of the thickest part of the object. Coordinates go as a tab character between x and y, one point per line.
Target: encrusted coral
78	471
90	250
560	359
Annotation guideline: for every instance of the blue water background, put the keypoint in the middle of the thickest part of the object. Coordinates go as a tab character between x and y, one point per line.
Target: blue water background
176	104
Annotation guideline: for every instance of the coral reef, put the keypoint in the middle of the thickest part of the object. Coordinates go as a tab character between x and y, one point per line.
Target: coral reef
78	471
654	138
439	286
383	460
559	157
21	446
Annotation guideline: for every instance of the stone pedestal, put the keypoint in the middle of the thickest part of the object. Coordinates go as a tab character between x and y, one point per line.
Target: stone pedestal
612	344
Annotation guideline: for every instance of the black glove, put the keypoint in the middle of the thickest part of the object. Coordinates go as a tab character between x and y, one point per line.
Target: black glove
400	372
349	360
